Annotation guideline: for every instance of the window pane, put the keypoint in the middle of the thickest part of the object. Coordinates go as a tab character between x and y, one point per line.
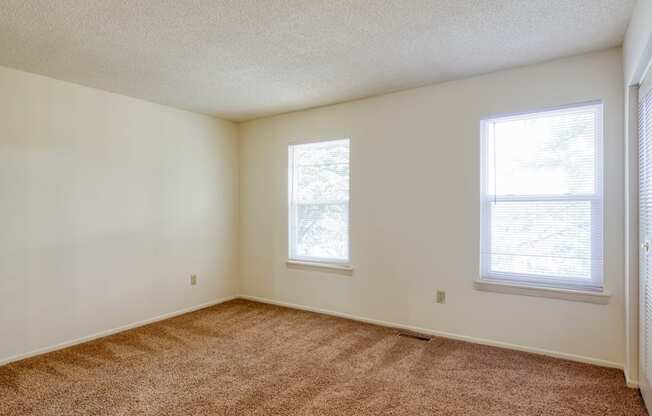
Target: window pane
322	231
322	183
321	153
319	198
545	154
542	197
542	238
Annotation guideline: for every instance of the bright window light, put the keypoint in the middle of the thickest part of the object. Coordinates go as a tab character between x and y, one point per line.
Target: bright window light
542	199
319	201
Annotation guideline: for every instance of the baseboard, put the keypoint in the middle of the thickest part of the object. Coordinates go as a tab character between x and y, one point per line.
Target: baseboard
482	341
630	383
474	340
113	331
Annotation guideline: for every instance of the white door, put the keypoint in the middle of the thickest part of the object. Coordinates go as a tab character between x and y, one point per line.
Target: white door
645	239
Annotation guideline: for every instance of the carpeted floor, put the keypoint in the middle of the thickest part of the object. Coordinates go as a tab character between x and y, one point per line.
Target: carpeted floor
245	358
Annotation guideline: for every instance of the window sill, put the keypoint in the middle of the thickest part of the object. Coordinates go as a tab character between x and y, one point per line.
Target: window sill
542	291
330	267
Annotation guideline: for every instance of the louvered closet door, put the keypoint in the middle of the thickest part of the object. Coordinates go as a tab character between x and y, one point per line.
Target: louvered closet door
645	239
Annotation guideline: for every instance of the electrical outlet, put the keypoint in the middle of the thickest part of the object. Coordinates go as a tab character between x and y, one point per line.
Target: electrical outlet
441	296
193	280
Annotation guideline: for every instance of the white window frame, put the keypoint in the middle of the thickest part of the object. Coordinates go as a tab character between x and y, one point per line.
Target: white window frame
293	258
596	283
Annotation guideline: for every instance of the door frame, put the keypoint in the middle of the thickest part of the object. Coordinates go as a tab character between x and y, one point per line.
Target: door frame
632	239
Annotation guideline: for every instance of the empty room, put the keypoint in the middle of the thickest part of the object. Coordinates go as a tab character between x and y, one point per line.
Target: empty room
311	207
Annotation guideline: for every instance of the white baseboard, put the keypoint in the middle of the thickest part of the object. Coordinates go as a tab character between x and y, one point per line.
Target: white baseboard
555	354
500	344
630	383
113	331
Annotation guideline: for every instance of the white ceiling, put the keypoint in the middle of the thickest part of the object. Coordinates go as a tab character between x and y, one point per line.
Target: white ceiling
243	59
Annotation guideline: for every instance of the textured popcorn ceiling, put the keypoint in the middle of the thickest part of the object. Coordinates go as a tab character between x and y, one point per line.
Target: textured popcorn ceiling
242	59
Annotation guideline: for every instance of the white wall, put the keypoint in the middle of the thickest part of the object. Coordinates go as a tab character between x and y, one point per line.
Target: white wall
107	205
637	51
637	40
415	209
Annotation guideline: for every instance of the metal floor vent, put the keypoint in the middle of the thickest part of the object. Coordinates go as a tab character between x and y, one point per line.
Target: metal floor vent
415	335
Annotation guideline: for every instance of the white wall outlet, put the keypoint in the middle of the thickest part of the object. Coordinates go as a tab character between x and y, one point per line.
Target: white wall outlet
193	280
441	296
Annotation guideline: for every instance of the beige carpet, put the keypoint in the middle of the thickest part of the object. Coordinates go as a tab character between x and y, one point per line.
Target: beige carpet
245	358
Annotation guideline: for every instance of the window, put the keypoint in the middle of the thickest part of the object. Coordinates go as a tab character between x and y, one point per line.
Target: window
541	213
319	201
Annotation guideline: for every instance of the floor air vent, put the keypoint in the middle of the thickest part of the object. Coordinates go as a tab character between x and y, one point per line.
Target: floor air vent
415	335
